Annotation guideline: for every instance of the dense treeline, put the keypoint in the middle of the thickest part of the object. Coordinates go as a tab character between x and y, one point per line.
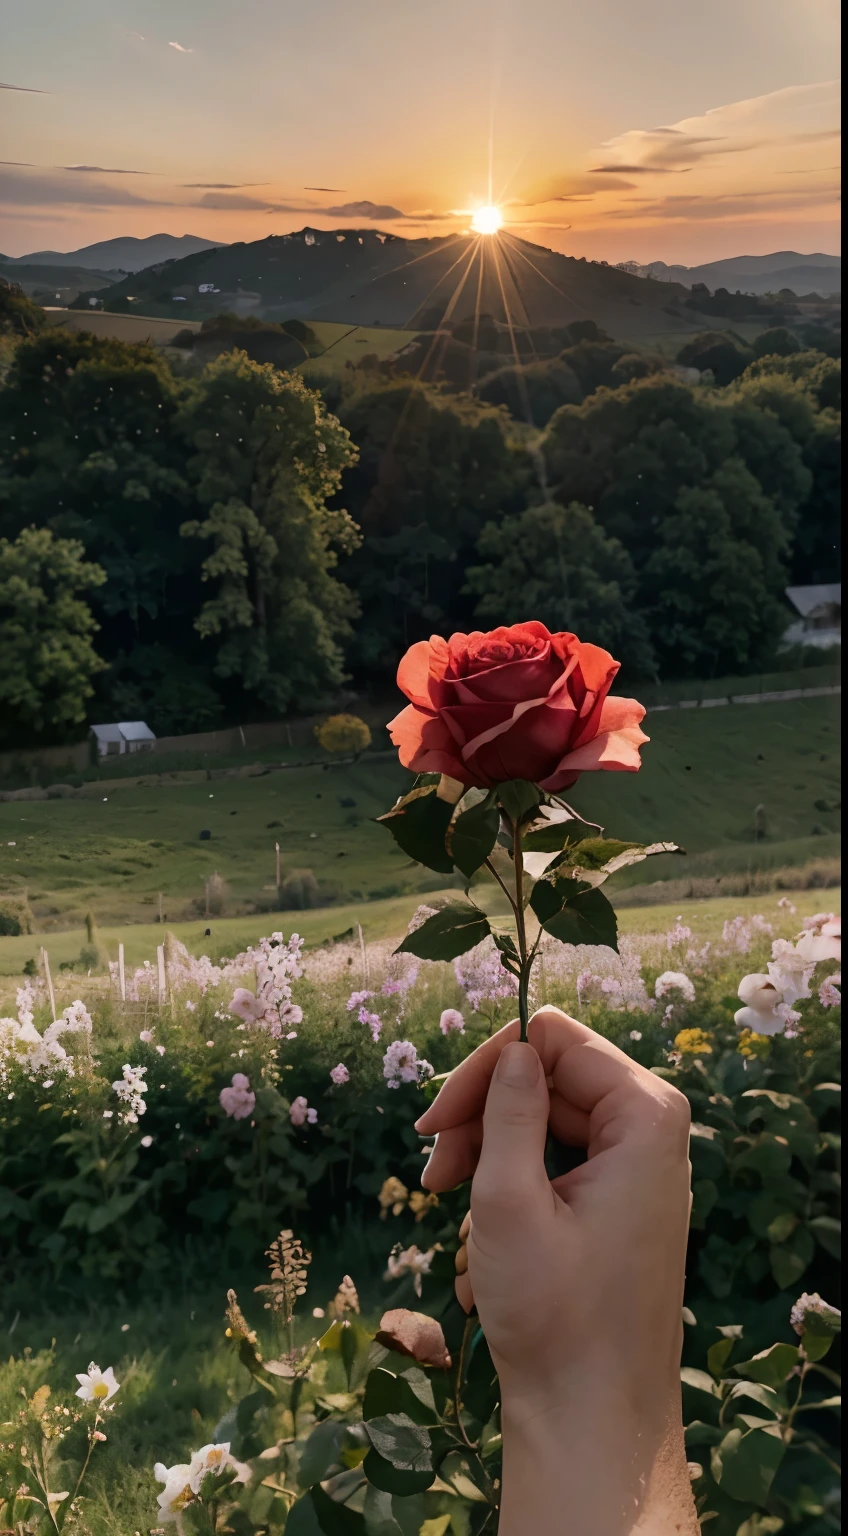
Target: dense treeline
191	544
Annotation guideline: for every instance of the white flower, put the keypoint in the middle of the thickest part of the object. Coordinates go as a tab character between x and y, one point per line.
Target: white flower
790	970
674	981
300	1113
131	1089
820	946
177	1492
635	1034
216	1459
238	1100
409	1261
767	1011
97	1386
786	905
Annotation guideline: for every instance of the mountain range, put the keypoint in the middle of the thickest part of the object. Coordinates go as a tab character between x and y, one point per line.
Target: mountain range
128	253
814	273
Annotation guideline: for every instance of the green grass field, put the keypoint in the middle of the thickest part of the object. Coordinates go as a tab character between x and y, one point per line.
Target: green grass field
113	850
342	344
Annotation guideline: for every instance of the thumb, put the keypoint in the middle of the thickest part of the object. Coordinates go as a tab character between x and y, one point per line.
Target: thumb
510	1183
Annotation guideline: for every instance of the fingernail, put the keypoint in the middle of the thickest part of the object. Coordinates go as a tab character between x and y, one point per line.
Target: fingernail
518	1066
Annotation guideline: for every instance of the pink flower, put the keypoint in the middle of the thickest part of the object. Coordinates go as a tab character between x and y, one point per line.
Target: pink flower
374	1022
238	1100
300	1113
450	1020
146	1035
356	1000
829	993
245	1006
340	1074
401	1064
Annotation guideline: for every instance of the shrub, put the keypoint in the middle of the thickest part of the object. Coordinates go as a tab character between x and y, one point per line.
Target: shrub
16	916
343	733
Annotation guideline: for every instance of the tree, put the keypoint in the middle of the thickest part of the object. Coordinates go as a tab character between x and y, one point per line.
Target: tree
431	471
713	580
556	564
777	341
634	456
46	632
266	459
89	449
718	353
532	394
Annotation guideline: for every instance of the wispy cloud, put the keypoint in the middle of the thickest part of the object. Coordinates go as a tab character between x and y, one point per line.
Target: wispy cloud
220	186
365	210
103	170
180	49
325	189
30	90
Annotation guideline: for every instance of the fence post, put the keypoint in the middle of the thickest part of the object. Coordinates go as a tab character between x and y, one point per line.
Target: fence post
160	958
364	954
122	977
51	994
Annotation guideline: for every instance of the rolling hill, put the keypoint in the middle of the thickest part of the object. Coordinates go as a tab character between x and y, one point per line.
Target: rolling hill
125	254
815	273
365	277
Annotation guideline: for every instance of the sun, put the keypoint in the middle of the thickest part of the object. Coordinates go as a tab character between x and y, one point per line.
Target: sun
487	221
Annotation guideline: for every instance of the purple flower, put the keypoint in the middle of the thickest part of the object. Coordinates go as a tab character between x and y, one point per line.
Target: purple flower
356	1000
374	1022
238	1100
340	1074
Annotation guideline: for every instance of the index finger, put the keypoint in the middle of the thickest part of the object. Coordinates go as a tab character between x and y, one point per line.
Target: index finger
583	1067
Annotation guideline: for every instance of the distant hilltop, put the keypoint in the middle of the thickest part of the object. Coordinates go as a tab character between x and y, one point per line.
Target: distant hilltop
125	254
814	273
369	277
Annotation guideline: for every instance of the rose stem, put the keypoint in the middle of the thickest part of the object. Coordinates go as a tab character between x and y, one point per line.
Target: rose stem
526	961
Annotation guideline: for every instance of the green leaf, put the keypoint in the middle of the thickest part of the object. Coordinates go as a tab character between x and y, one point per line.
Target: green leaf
334	1519
302	1519
699	1433
704	1197
828	1231
770	1366
790	1259
699	1380
761	1525
381	1474
471	836
438	1526
320	1452
596	858
758	1393
518	798
400	1441
574	912
448	933
377	1513
418	823
717	1356
552	830
410	1394
745	1463
782	1227
506	944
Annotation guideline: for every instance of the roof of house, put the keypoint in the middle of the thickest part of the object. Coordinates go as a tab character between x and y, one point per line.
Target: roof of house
808	599
124	730
135	730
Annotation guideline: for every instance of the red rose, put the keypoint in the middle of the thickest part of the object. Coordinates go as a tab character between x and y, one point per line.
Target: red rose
516	703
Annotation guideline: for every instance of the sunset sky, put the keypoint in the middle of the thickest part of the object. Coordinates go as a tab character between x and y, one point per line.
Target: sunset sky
663	129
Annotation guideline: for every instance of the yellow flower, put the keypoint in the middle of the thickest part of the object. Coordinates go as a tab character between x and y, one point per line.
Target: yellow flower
392	1197
693	1042
752	1044
420	1204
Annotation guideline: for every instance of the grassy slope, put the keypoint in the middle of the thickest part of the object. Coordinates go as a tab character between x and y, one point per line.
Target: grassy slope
703	775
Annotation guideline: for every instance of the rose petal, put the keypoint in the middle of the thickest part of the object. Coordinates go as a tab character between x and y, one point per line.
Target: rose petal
614	750
425	744
413	674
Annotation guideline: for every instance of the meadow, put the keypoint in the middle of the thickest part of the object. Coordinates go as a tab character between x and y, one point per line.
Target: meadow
144	1225
114	847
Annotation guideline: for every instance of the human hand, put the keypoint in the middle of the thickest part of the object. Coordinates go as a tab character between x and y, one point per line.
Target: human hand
578	1281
